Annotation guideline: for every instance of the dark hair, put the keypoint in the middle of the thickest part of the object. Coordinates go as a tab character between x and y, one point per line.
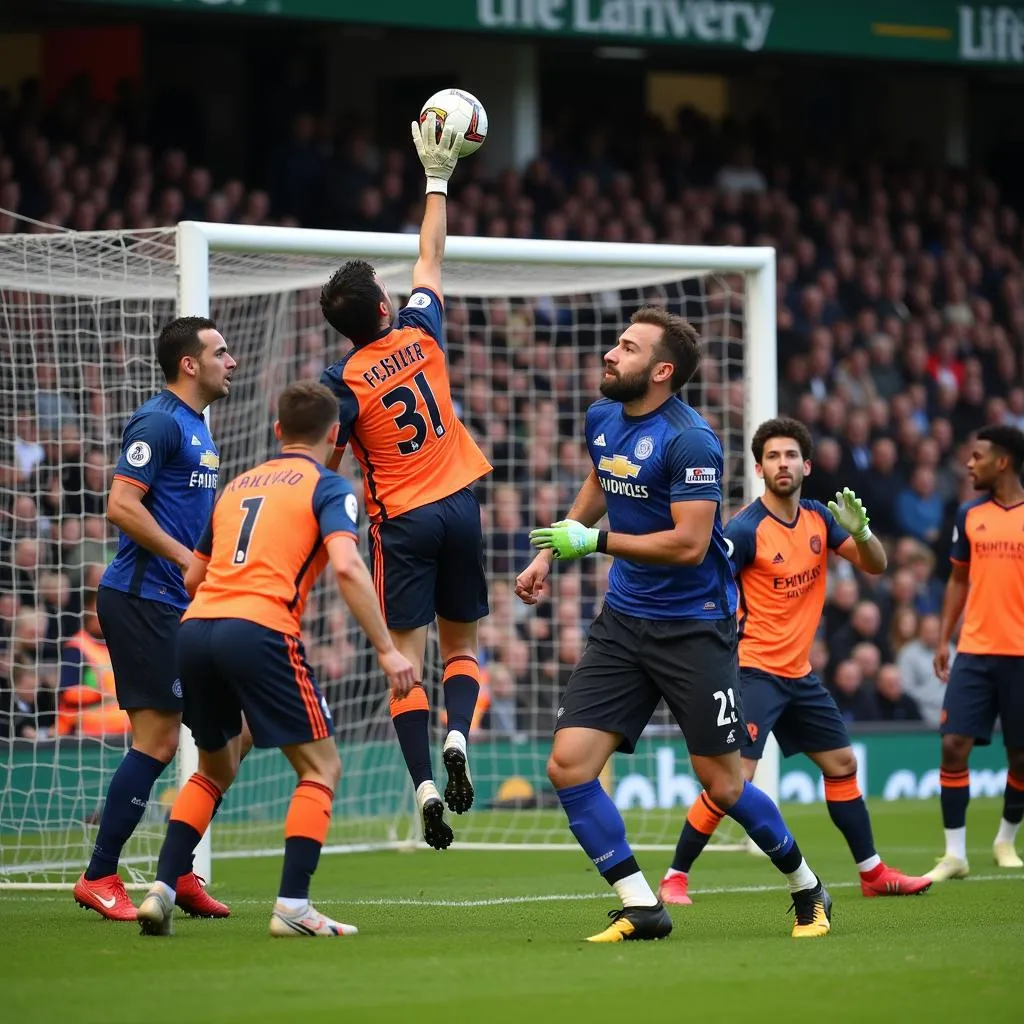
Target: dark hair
679	343
306	409
350	302
1009	440
178	339
781	426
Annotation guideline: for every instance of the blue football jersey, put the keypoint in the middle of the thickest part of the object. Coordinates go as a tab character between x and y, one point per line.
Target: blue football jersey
644	464
168	452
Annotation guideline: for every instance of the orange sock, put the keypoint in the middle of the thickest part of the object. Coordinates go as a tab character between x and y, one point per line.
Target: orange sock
196	802
704	816
309	813
415	700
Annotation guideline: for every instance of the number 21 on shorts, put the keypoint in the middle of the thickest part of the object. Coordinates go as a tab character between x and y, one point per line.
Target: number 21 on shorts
726	706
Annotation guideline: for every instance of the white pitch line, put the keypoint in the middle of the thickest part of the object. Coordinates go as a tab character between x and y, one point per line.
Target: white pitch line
502	901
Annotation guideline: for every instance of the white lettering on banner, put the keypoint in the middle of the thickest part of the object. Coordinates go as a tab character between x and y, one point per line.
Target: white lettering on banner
992	34
708	21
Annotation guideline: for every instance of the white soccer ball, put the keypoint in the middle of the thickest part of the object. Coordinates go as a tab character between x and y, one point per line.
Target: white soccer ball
463	111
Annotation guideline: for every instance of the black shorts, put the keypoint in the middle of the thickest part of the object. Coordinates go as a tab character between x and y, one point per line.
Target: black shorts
801	712
231	666
429	562
142	638
981	688
630	664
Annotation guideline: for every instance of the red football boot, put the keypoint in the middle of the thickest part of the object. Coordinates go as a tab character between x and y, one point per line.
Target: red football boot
107	896
886	881
673	890
192	897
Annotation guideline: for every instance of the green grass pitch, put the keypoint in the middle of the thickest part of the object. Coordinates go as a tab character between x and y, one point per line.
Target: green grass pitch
496	936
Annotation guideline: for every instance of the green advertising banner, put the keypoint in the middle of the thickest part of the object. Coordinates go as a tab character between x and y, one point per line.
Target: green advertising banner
912	30
49	786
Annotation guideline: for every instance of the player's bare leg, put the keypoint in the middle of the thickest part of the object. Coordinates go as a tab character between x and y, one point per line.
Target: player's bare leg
1003	849
309	817
955	795
410	716
457	642
849	814
191	814
727	789
154	743
578	756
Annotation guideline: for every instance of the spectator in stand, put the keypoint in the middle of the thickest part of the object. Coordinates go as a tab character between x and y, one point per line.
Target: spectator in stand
917	675
919	507
855	701
893	705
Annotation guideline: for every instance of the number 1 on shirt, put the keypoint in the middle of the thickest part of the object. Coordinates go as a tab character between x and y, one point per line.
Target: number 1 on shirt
409	416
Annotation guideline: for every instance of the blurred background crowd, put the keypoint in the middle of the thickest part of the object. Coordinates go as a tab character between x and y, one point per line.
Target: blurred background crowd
900	331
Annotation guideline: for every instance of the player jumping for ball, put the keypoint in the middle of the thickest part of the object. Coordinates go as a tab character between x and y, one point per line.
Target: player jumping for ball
275	528
419	464
668	626
779	546
987	677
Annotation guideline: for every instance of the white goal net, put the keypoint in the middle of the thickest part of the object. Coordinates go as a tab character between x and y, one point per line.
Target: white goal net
527	323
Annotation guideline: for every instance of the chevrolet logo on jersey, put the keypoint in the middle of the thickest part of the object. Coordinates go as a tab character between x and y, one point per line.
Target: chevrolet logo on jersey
209	460
619	466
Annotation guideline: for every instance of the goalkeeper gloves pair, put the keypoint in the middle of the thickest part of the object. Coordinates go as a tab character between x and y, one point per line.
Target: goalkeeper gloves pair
438	156
851	515
569	539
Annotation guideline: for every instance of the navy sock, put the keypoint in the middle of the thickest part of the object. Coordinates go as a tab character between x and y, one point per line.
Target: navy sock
127	797
413	730
762	821
1013	799
301	856
849	814
598	827
177	852
954	796
461	688
689	847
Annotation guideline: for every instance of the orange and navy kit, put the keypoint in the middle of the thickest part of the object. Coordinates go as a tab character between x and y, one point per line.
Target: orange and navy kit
239	648
781	568
418	464
986	680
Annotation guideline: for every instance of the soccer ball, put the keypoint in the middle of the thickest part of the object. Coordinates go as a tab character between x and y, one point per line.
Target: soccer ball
463	111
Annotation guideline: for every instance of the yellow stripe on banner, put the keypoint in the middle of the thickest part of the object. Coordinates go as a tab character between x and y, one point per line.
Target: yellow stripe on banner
931	33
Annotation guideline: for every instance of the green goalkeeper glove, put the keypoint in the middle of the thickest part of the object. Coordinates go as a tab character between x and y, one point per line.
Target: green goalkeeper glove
851	515
567	539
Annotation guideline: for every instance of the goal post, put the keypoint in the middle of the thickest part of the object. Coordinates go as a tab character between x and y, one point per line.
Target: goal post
98	300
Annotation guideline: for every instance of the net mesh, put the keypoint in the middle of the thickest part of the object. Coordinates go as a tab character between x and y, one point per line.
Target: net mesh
79	314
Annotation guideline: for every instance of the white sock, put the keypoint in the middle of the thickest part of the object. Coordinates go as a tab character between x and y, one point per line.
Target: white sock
634	891
165	889
802	878
426	790
673	871
1007	832
292	903
956	842
863	866
455	739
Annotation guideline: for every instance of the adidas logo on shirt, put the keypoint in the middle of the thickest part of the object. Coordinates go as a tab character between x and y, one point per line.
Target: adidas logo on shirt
778	559
599	441
195	441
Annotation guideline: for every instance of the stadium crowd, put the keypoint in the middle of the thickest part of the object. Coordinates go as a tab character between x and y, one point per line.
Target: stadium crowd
900	331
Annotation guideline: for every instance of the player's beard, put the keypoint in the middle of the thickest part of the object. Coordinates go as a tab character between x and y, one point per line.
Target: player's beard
626	388
787	488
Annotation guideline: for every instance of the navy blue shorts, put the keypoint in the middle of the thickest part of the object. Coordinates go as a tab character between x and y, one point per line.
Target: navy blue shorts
801	712
630	664
981	688
142	637
429	562
232	666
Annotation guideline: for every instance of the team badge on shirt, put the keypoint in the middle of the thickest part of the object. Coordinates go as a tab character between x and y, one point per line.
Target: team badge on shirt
644	448
816	545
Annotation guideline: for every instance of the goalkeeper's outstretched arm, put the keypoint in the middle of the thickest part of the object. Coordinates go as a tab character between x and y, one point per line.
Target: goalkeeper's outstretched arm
426	272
